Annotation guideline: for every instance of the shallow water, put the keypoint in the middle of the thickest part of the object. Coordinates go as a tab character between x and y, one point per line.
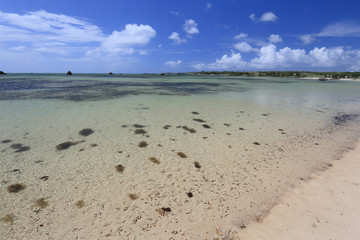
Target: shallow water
265	135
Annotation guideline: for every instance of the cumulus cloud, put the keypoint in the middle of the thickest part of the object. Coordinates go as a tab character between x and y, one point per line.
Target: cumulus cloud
45	32
173	63
124	41
273	38
208	5
269	57
268	17
174	13
307	39
190	26
234	61
176	38
243	47
240	36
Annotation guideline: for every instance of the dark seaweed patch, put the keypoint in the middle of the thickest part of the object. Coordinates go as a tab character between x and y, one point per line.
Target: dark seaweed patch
154	160
191	130
140	131
119	168
256	143
93	145
8	218
197	165
66	145
181	154
241	129
344	118
198	120
138	126
80	203
6	141
41	203
195	113
142	144
189	194
44	178
86	132
16	188
19	147
166	126
133	196
206	126
227	124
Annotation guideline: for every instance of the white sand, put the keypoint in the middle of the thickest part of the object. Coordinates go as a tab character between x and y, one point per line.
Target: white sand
326	207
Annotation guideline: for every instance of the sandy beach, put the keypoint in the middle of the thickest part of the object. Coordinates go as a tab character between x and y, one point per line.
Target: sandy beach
326	207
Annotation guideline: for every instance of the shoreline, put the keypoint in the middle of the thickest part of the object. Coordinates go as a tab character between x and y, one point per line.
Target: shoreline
325	207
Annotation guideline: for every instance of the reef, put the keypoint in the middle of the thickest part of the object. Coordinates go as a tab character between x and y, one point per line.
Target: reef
86	132
16	188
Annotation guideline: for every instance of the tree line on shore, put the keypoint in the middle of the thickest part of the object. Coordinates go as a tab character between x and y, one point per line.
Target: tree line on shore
295	74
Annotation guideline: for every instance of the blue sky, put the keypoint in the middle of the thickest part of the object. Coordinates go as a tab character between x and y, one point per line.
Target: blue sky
137	36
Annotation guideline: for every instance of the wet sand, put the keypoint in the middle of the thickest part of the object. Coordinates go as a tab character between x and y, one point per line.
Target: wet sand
326	207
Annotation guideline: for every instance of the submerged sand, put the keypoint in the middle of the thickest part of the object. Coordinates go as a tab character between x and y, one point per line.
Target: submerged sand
107	186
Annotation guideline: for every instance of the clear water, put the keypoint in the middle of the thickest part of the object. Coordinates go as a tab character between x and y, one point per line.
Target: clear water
265	135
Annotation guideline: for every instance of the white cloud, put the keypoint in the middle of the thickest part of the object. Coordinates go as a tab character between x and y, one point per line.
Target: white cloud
174	13
208	5
225	63
269	57
243	47
273	38
268	17
176	38
253	17
190	26
45	26
307	39
123	42
240	36
173	63
341	29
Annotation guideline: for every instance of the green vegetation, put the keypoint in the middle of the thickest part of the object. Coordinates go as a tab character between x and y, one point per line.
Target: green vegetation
295	74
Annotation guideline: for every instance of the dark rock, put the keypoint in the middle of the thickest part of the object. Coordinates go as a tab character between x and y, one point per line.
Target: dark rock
69	73
86	132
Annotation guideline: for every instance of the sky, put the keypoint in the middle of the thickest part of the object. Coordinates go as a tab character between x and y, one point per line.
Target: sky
142	36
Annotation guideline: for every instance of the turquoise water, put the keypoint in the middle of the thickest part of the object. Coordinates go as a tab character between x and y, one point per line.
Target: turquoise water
263	136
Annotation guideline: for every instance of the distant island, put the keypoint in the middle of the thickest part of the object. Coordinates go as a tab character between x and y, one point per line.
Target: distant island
1	72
